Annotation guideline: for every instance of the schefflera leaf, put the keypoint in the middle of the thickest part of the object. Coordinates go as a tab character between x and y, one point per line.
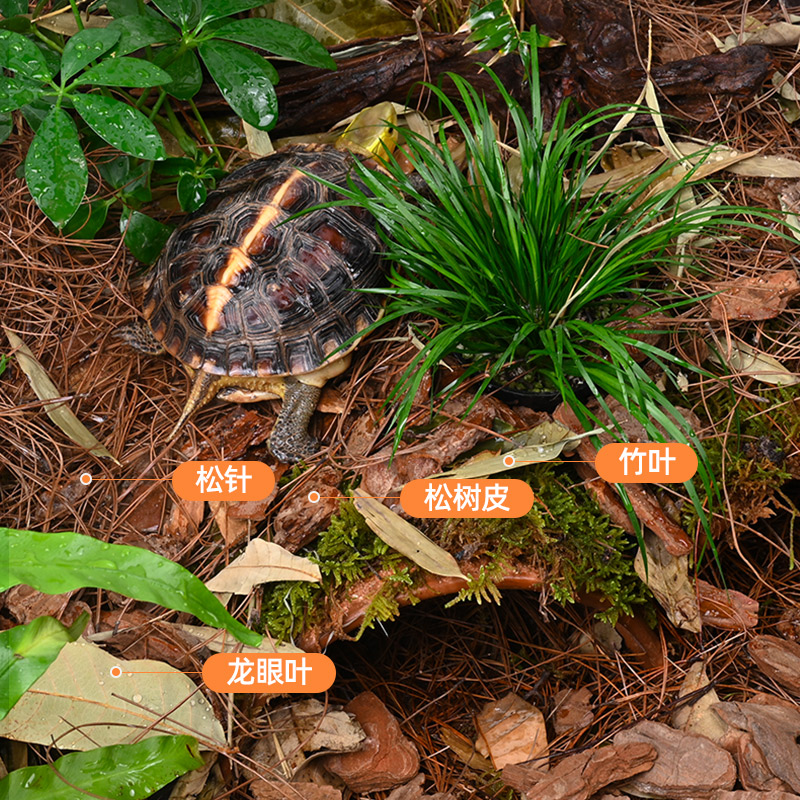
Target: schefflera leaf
278	38
55	167
120	125
245	79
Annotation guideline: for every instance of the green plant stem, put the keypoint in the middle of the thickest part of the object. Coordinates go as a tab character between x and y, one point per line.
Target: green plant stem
49	42
76	14
207	133
162	96
174	126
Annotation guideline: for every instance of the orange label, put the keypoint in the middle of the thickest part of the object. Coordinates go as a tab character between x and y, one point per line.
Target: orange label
223	480
269	672
483	497
646	462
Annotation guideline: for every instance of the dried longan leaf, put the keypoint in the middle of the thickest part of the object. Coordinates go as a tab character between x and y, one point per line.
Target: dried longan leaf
545	442
77	703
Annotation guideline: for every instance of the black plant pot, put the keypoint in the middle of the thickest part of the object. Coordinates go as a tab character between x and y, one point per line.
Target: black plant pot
541	399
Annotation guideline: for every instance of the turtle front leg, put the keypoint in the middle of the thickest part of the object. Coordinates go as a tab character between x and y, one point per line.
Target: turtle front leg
290	440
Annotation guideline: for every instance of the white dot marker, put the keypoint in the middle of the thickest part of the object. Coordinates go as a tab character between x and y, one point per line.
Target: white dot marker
115	671
509	460
85	478
313	497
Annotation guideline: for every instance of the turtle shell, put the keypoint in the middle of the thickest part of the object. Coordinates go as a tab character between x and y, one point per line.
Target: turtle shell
235	292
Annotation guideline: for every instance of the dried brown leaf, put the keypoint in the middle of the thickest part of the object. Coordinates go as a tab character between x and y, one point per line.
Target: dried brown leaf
263	562
405	538
668	579
754	298
59	413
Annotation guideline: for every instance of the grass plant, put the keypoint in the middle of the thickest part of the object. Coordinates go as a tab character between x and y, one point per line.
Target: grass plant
515	266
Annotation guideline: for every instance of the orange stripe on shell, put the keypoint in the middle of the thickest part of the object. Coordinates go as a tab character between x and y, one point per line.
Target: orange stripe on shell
216	299
218	294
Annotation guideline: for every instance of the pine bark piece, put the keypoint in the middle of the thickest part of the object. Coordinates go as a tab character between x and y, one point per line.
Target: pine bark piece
385	760
281	790
726	609
746	795
573	710
298	521
511	731
580	776
775	730
754	771
778	659
687	766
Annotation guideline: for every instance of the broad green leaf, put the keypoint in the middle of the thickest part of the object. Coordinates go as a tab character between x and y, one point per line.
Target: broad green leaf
120	125
79	692
191	192
132	179
216	9
55	563
138	32
17	92
279	38
245	80
28	650
174	166
6	126
88	220
185	13
83	48
342	21
144	236
115	171
187	77
55	167
18	24
51	58
124	71
130	771
10	8
23	57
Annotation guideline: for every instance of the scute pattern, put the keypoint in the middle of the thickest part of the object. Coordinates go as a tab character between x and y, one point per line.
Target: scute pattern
237	293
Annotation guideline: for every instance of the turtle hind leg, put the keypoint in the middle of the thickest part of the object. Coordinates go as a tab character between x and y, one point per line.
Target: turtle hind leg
290	440
138	335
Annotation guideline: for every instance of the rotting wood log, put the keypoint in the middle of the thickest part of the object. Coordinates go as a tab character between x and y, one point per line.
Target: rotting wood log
310	99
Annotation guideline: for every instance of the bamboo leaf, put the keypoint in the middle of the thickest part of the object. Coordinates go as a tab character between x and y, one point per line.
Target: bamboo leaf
45	389
405	538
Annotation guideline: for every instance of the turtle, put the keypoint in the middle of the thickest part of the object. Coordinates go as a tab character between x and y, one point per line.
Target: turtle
257	300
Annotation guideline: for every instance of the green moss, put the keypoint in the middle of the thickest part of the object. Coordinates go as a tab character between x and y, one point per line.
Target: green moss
345	552
754	448
565	535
